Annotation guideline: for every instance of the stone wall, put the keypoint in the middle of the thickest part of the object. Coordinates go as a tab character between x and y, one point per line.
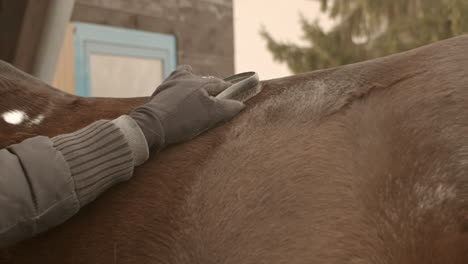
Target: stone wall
203	28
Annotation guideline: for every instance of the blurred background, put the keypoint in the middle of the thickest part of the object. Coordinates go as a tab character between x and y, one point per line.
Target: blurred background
125	48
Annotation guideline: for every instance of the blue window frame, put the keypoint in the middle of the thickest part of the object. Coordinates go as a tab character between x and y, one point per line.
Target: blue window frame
91	38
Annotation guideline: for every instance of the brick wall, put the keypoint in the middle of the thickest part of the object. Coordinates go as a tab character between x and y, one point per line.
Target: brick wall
203	28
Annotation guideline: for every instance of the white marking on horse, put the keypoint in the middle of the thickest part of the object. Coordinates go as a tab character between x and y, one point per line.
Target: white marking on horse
37	120
15	117
18	117
433	196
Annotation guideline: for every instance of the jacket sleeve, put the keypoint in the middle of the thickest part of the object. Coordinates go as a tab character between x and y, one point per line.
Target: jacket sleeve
44	181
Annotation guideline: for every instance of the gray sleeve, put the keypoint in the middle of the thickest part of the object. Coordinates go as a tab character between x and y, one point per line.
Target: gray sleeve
43	181
36	190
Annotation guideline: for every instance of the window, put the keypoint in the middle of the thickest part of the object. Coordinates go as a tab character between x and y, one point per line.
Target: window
116	62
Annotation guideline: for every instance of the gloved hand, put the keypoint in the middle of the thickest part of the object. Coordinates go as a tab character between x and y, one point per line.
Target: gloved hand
181	108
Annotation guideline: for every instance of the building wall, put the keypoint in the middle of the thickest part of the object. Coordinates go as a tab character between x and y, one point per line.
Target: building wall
11	16
203	28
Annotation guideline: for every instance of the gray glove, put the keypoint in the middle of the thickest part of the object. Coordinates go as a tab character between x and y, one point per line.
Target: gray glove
181	108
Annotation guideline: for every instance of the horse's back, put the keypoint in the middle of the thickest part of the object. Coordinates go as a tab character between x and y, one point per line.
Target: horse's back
366	163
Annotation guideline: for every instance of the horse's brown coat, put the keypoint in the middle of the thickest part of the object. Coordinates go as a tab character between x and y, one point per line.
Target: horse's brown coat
366	163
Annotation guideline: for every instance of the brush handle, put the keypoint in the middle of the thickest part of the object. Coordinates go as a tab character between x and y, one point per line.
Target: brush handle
244	85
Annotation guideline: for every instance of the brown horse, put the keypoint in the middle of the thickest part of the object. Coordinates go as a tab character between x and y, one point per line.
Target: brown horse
365	163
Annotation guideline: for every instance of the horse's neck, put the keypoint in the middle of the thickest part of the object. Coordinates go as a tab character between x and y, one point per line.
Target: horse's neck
27	110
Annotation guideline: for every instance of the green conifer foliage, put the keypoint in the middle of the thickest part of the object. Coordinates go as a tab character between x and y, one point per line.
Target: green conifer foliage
367	29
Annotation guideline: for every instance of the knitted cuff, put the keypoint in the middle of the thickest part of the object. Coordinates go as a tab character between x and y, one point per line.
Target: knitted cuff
99	156
135	137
